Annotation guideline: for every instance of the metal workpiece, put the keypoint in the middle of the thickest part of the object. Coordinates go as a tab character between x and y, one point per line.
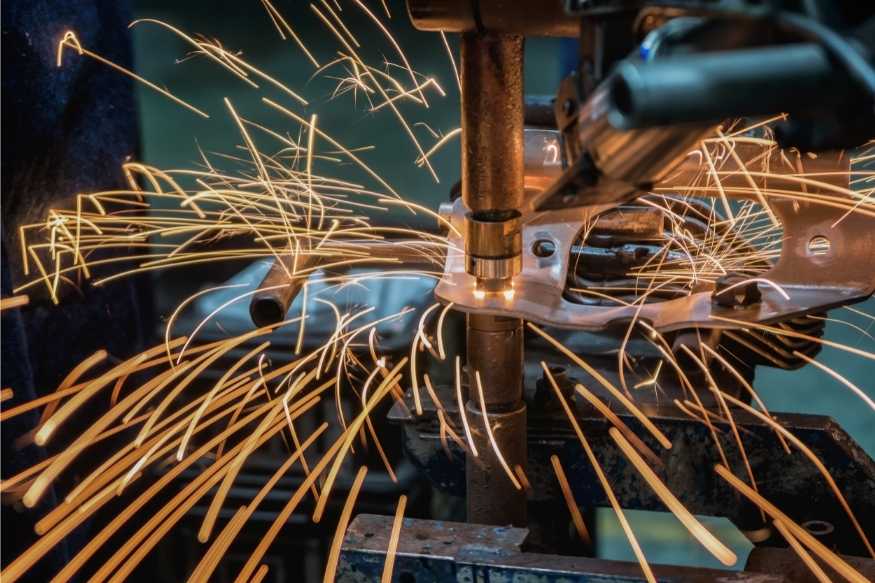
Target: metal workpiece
279	288
529	17
827	259
628	223
492	122
435	551
608	164
288	273
493	498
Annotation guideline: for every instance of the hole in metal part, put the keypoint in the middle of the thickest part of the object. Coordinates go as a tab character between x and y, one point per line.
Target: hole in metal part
543	248
819	246
818	527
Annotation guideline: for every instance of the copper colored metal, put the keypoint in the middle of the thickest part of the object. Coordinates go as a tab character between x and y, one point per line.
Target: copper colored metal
492	122
492	250
495	239
530	17
493	161
278	290
495	350
491	496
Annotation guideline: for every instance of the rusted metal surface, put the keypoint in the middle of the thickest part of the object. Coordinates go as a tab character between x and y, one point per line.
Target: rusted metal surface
533	18
791	481
440	552
495	353
494	498
491	71
774	560
492	190
279	288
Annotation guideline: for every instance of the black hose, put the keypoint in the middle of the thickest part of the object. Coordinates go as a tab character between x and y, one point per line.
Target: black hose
713	86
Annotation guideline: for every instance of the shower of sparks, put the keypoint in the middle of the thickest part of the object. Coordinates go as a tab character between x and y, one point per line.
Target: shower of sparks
300	196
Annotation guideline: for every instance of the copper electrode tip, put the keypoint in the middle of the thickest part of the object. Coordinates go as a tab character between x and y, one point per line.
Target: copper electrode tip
493	249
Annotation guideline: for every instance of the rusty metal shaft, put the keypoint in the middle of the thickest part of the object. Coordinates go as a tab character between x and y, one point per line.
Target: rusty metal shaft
492	122
495	352
492	188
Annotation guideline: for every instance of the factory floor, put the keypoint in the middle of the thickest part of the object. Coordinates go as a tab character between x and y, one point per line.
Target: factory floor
171	137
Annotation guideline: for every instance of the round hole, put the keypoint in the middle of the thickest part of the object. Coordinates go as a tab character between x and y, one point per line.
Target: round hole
818	527
819	246
543	248
407	577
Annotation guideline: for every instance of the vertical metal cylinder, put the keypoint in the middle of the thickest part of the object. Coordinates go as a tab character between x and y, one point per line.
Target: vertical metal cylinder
492	498
492	122
495	351
492	188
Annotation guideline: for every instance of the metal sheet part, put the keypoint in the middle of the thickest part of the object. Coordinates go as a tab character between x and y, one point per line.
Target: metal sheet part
827	259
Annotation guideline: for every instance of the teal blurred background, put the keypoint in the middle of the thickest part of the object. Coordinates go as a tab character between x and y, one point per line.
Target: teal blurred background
171	137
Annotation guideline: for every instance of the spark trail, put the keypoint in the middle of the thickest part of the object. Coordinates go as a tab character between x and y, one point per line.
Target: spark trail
313	204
